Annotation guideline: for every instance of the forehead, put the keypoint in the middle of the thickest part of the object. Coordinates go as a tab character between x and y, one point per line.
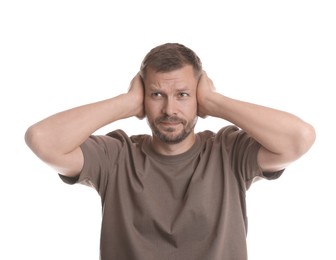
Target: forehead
181	78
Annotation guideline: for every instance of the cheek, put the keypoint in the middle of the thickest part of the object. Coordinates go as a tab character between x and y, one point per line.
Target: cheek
190	107
151	108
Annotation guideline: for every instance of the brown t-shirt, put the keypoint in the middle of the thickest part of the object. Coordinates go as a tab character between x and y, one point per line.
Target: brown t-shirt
185	207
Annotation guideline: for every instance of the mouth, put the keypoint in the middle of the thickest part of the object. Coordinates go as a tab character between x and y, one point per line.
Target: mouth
170	125
169	121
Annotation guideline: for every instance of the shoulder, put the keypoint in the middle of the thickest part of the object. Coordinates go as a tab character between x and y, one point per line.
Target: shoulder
227	132
230	138
122	136
128	142
118	135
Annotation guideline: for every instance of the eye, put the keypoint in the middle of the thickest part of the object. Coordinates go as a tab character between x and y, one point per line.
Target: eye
156	94
183	94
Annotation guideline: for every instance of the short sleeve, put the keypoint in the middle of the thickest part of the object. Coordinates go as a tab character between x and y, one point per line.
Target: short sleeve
242	151
100	157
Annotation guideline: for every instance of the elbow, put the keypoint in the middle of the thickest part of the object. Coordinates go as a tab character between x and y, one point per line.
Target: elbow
305	139
34	140
29	137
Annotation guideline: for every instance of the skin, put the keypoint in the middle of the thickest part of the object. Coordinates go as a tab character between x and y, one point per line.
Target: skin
171	108
177	98
284	137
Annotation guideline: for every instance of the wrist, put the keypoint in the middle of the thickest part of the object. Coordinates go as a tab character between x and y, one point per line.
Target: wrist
211	105
133	105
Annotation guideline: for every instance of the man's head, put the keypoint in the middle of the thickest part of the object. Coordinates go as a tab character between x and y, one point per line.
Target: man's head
170	74
168	57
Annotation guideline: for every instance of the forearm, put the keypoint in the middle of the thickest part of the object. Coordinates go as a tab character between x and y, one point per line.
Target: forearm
65	131
277	131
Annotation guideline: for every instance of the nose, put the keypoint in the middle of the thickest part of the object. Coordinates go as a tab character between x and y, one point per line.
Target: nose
169	107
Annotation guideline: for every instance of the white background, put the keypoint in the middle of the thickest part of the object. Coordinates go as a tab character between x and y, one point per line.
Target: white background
59	54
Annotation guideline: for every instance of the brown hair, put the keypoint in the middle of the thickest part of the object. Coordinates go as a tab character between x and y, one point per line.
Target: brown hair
170	56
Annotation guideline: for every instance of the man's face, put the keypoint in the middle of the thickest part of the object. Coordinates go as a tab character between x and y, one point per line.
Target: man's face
171	104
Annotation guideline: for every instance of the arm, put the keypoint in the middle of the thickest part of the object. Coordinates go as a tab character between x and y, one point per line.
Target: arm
283	137
56	140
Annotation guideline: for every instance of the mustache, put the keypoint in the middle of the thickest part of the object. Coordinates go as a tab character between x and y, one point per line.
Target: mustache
170	119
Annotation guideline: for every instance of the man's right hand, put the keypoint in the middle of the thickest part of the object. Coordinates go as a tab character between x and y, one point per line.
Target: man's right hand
136	92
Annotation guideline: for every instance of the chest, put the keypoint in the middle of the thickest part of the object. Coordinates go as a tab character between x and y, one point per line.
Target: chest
177	203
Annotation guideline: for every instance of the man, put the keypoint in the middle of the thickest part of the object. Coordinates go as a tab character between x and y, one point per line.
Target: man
176	194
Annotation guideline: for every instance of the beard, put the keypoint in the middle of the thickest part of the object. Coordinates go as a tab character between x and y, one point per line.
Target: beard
169	134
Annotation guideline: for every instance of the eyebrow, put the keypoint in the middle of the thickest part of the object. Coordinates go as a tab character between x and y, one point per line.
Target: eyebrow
158	89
